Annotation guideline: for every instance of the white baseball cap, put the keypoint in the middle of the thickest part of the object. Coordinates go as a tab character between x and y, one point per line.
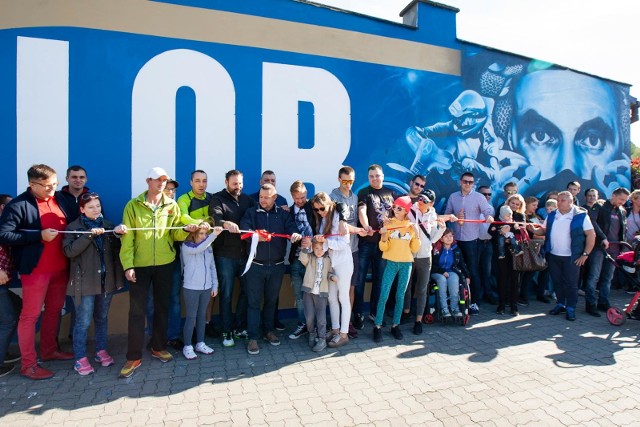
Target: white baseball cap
157	172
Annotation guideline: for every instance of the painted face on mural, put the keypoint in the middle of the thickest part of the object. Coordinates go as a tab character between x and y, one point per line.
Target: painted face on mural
565	120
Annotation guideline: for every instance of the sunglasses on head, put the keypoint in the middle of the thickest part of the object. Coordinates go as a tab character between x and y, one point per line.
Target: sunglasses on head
346	181
320	209
89	196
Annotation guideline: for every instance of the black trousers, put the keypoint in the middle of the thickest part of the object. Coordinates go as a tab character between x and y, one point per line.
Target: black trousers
159	277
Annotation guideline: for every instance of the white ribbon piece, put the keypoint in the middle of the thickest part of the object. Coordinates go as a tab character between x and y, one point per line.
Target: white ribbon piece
252	253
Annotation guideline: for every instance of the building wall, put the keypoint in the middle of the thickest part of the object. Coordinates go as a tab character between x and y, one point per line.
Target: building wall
124	85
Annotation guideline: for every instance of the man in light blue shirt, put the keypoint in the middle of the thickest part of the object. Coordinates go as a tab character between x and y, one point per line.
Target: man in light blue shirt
469	204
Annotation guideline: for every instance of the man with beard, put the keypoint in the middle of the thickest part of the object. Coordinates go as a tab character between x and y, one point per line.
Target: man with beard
227	207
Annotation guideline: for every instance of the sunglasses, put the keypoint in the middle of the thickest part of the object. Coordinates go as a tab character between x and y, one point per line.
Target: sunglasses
424	200
398	208
466	181
418	185
487	194
89	196
511	192
321	209
346	181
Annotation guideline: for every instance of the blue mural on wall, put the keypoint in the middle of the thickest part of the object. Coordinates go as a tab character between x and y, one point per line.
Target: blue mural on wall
526	121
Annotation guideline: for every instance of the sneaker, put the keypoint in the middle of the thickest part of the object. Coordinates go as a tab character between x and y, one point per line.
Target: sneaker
36	372
456	313
103	358
83	367
395	331
501	256
358	321
201	347
241	335
500	309
272	338
12	358
559	308
313	338
445	313
320	345
338	341
581	292
162	355
377	334
523	302
417	328
252	347
519	253
300	331
227	340
129	367
330	335
278	325
514	310
5	370
571	313
188	352
353	332
474	309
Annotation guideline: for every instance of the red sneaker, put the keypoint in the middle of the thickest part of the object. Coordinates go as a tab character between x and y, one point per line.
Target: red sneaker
57	355
36	372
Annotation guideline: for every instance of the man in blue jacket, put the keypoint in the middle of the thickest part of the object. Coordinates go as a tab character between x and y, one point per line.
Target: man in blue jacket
264	277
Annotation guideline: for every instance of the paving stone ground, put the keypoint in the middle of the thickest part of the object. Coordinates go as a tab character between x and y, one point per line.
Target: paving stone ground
534	369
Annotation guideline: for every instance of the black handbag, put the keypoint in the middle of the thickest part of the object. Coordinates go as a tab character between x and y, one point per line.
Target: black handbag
531	258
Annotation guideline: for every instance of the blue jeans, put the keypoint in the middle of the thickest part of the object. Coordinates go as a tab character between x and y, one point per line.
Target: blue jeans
175	312
263	283
471	254
564	274
8	320
486	258
96	306
391	269
452	285
228	269
368	255
297	277
600	273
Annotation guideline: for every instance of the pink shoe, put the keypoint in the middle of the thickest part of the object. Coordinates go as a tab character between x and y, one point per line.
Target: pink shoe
103	358
83	367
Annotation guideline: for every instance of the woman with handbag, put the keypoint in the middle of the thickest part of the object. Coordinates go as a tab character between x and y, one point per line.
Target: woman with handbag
508	278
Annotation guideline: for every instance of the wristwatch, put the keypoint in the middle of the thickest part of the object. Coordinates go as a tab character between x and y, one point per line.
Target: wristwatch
585	254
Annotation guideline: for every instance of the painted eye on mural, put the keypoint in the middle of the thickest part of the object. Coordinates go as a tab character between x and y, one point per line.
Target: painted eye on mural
594	136
536	130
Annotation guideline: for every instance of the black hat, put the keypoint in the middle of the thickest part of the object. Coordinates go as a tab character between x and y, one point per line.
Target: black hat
429	194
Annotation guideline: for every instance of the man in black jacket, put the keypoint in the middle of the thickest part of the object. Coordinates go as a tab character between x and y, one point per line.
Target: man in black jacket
30	225
227	207
610	226
264	277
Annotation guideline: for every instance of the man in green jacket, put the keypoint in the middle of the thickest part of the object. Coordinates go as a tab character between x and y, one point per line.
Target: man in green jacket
147	254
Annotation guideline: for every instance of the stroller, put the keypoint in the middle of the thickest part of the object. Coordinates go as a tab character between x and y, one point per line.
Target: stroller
432	312
628	263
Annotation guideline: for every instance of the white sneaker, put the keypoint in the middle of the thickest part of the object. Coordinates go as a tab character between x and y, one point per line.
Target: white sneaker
201	347
227	340
189	353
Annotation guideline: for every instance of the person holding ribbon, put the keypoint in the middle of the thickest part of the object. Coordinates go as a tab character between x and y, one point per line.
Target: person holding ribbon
95	274
268	224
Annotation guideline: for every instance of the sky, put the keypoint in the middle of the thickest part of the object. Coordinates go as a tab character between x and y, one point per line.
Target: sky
593	36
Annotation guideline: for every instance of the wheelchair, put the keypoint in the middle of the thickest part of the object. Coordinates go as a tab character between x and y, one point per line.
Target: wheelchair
433	310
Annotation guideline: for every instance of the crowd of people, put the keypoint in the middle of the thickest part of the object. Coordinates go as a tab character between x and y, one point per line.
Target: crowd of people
177	256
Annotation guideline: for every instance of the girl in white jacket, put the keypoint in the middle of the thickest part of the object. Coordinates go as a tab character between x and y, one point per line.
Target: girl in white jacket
200	284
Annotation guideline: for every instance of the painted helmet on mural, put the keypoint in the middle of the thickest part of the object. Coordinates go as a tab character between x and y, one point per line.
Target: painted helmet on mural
469	113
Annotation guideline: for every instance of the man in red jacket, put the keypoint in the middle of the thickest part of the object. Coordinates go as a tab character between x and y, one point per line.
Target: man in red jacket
30	224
